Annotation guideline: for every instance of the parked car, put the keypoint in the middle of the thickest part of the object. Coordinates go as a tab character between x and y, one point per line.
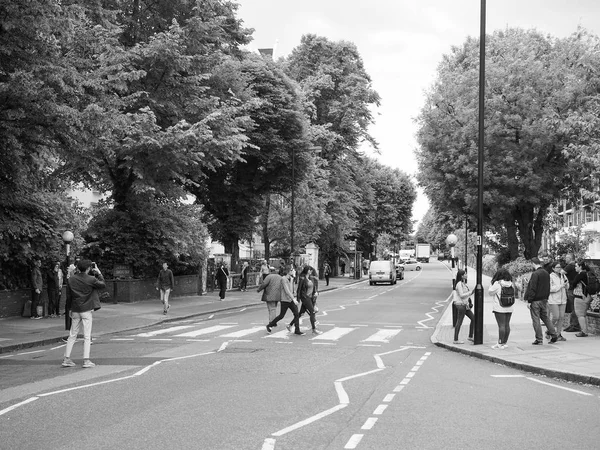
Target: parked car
399	271
411	264
382	272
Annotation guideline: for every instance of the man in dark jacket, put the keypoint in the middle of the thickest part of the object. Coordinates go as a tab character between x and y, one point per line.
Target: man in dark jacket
82	299
571	273
37	284
538	290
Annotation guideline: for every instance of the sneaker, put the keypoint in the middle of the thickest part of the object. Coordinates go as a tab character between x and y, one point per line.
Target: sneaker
571	329
561	338
548	336
554	339
268	329
300	333
536	342
503	346
470	339
315	331
458	342
581	334
87	364
289	328
497	346
68	363
164	311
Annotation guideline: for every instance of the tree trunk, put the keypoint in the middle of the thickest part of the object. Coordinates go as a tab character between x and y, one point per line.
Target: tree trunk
530	223
232	246
265	227
513	240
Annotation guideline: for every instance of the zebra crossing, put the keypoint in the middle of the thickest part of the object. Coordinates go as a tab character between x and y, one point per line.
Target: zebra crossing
363	334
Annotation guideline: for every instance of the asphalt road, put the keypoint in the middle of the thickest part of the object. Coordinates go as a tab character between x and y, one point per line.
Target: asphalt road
372	380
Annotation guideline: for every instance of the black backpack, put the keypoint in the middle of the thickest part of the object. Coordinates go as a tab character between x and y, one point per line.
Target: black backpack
592	286
507	296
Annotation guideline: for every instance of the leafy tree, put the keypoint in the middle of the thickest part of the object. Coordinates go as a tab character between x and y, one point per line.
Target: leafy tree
339	96
527	169
574	241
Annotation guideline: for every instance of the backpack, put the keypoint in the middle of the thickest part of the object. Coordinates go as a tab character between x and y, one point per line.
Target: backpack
592	286
507	296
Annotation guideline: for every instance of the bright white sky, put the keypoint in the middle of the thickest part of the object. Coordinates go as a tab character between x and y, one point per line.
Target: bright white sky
401	43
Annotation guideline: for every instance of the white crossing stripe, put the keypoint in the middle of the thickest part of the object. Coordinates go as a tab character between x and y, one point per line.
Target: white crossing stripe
242	333
279	335
164	331
208	330
382	335
334	334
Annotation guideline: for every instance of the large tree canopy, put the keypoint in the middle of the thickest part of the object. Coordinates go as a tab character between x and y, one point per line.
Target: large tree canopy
528	91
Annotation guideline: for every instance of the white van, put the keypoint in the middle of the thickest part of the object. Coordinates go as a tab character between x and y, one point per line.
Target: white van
382	272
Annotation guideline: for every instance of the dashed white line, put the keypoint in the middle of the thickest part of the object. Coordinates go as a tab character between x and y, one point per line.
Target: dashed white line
388	398
369	423
354	441
29	353
380	409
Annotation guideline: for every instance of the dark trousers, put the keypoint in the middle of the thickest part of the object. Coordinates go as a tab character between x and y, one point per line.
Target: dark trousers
461	312
243	283
503	321
35	301
53	301
307	306
222	289
284	307
326	279
538	310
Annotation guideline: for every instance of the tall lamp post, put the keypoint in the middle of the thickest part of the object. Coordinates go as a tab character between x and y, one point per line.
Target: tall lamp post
466	240
67	238
451	242
478	331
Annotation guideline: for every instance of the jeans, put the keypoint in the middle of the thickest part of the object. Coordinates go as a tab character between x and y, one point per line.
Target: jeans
284	307
272	308
307	306
557	315
243	283
538	310
84	318
327	280
462	311
53	301
164	298
581	307
503	321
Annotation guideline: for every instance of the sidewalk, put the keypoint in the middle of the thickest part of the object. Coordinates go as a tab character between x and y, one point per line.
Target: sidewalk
18	333
577	359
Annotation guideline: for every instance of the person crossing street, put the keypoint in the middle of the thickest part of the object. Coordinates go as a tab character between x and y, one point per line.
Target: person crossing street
287	302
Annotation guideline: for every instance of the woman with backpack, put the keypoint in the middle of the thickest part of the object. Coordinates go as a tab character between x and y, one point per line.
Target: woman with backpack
462	303
503	291
582	299
557	301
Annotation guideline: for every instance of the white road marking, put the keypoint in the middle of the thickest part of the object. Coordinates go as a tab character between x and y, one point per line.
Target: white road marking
369	423
508	376
415	368
243	333
279	335
358	325
122	339
29	353
410	374
197	340
223	346
324	343
165	331
229	323
269	444
388	398
10	408
161	339
405	381
368	345
7	356
354	441
310	420
398	388
59	346
575	391
209	330
382	335
380	409
333	334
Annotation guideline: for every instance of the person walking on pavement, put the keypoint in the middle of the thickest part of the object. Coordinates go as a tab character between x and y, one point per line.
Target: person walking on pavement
271	287
82	299
314	277
55	282
265	270
37	284
165	284
536	295
461	300
582	299
557	301
222	279
501	279
305	294
571	273
287	302
326	272
244	277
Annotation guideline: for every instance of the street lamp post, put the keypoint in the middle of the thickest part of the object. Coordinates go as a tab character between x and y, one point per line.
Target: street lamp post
466	240
478	331
451	242
293	202
67	238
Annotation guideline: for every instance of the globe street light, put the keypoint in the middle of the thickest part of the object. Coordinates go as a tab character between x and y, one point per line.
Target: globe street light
67	238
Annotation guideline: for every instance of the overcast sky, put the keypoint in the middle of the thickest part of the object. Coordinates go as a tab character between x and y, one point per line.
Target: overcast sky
401	43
